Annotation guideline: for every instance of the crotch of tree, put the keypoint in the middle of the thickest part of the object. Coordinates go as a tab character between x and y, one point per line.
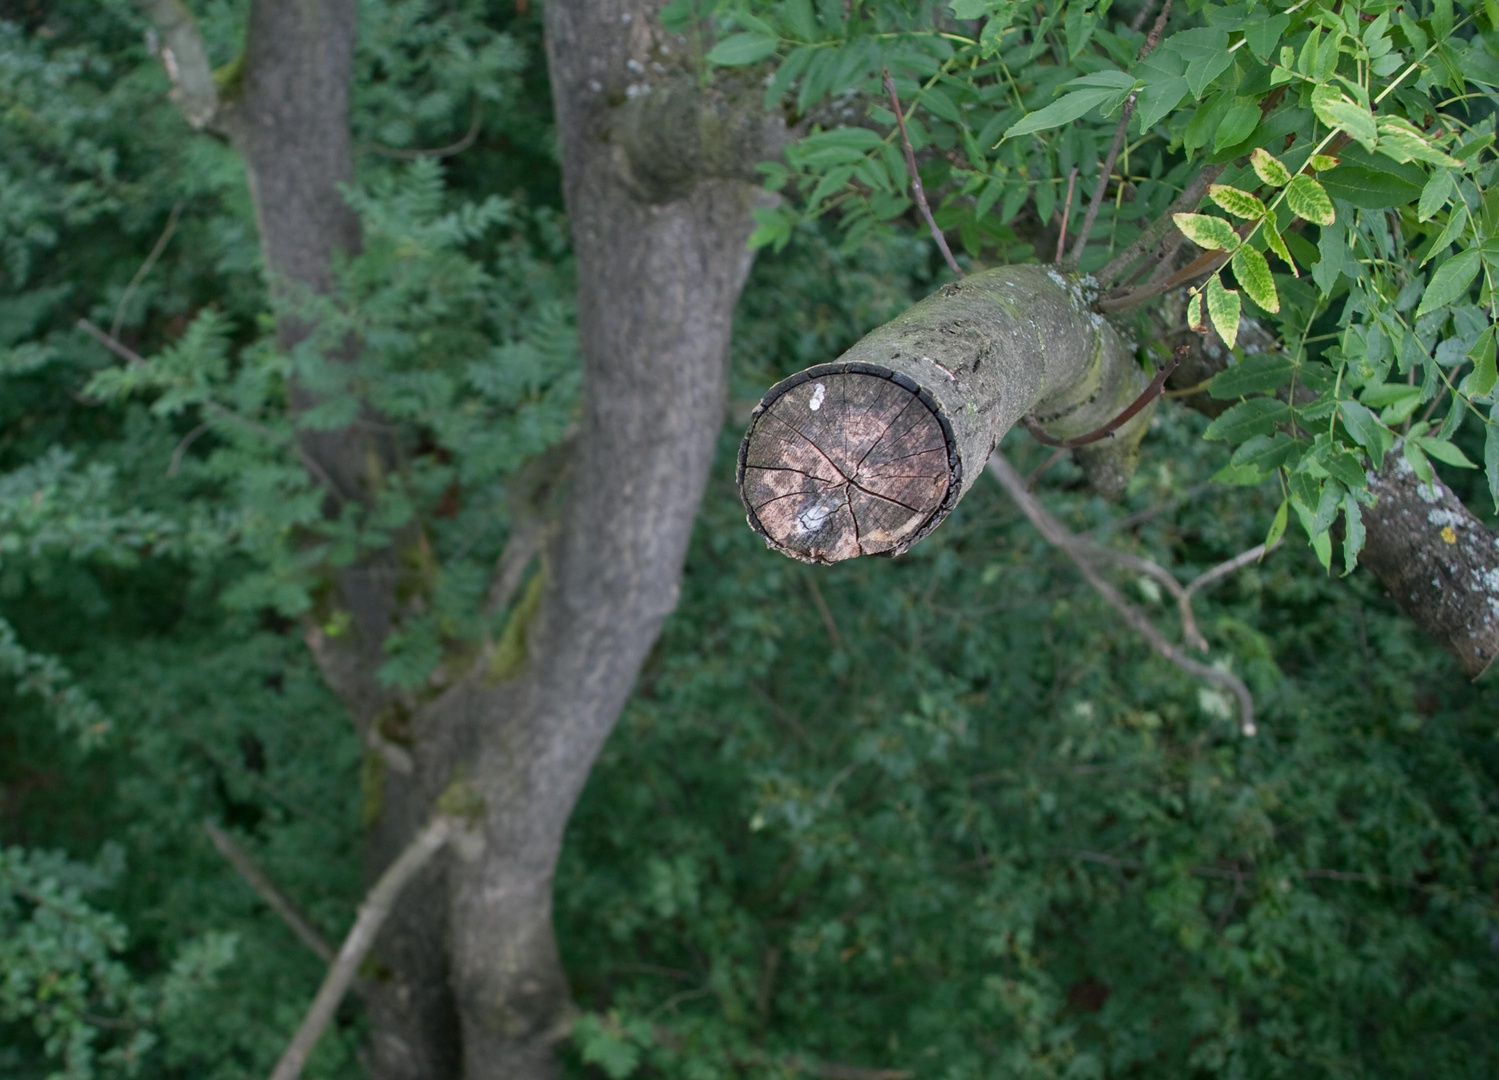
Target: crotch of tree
844	460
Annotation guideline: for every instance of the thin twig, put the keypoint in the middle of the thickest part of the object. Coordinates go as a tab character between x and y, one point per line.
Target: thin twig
1141	15
1107	169
1030	481
1223	569
145	268
372	914
1185	203
1131	410
916	189
256	878
1066	209
1059	537
412	154
826	613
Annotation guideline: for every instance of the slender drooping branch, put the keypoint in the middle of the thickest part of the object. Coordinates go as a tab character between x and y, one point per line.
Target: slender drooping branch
1107	168
1069	545
372	914
916	188
185	58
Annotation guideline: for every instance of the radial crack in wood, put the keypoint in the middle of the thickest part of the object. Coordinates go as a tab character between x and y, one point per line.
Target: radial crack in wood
840	463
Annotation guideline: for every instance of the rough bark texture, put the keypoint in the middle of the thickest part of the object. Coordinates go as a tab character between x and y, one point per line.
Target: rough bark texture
660	268
1437	561
820	467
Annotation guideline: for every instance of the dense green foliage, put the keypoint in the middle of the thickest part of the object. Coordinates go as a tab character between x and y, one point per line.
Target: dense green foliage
941	813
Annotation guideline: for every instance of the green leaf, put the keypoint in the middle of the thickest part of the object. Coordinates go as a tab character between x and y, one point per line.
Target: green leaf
1491	459
1162	87
1336	110
1256	373
1254	276
1257	416
1353	533
1403	141
1268	168
1194	311
1418	462
1369	189
1265	452
1368	432
1064	110
1450	282
1445	452
1483	377
1236	202
737	50
1323	162
1212	233
801	19
1205	51
1435	194
1308	200
1277	242
1278	525
1223	309
1238	123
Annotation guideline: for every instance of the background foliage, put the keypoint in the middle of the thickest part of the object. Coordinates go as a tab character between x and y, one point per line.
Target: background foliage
940	813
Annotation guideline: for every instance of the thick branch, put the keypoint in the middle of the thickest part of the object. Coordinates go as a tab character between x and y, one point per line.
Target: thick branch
185	58
361	937
1070	546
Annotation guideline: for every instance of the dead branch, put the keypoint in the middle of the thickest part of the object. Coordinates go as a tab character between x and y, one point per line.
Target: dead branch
278	902
1076	550
361	937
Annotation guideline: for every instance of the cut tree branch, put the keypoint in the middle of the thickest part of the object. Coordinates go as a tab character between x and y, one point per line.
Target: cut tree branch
361	937
1061	538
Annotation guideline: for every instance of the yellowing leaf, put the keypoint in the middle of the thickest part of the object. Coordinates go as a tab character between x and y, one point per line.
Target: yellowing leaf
1236	202
1277	242
1268	168
1206	231
1223	309
1254	275
1308	200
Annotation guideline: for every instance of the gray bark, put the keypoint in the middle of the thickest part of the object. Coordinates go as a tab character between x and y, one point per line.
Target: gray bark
660	267
1437	561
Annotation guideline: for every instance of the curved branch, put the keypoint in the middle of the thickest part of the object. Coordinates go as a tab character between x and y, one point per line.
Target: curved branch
1059	537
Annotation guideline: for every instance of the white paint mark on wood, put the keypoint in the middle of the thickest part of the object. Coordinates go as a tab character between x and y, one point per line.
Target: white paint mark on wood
819	392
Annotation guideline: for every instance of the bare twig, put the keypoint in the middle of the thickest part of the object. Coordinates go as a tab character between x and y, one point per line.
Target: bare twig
1129	413
185	58
1185	202
1033	478
372	914
1107	169
916	189
1066	209
1223	569
255	877
463	143
145	268
1070	546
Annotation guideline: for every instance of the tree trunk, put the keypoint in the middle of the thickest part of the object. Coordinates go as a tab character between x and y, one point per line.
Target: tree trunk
661	261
